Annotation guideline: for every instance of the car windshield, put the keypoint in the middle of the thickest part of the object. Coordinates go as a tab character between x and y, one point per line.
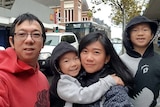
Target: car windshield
52	40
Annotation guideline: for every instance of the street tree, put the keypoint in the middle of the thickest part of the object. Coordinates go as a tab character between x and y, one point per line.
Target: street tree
122	10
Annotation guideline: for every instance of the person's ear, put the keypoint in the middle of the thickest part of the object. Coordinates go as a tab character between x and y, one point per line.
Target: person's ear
107	59
11	41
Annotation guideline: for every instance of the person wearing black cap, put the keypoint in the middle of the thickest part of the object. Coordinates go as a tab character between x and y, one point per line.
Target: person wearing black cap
142	61
65	88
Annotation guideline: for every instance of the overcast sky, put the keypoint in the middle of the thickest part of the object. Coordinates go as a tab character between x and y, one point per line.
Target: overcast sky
116	32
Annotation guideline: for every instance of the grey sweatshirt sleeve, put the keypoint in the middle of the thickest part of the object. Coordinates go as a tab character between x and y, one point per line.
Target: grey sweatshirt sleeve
70	90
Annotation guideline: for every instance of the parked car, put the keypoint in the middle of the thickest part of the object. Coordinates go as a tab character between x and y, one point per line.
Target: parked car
52	39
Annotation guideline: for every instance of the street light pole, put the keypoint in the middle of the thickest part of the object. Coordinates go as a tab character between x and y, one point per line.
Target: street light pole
123	26
122	8
124	19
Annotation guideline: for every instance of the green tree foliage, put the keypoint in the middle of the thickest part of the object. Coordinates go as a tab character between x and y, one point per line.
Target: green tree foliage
123	10
89	14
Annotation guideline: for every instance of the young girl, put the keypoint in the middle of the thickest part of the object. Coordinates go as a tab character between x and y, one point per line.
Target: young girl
65	88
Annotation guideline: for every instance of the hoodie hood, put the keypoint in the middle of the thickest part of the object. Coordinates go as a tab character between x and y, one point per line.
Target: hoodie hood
58	51
10	63
126	35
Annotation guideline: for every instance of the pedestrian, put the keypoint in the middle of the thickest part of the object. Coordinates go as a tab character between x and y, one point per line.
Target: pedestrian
21	82
99	59
142	61
65	88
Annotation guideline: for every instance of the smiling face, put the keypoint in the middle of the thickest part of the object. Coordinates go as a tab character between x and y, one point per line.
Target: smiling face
69	64
27	50
140	36
93	57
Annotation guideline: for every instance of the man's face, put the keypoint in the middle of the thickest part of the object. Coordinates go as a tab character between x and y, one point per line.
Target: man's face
27	47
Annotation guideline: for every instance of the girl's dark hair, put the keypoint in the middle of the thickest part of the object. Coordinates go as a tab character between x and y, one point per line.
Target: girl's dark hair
115	62
30	17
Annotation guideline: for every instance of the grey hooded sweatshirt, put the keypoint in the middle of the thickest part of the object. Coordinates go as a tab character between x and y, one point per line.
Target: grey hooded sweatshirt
145	68
66	89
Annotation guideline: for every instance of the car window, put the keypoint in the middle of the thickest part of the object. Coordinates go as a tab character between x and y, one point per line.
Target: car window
68	38
52	40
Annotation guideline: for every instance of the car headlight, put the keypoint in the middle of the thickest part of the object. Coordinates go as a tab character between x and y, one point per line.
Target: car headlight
44	56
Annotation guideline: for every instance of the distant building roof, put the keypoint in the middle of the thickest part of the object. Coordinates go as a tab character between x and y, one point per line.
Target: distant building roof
49	3
84	5
7	16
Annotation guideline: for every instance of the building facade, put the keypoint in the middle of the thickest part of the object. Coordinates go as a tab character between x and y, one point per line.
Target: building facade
53	14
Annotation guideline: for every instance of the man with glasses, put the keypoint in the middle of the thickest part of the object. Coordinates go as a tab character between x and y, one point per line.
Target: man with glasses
21	82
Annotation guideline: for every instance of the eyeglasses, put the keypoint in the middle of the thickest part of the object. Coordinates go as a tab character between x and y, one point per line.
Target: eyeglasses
24	35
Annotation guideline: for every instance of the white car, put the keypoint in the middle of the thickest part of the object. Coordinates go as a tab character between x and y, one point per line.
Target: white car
52	39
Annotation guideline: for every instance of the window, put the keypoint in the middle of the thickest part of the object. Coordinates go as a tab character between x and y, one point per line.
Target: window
52	40
68	38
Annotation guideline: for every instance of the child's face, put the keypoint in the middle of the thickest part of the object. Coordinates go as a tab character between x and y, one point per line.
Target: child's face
70	64
141	35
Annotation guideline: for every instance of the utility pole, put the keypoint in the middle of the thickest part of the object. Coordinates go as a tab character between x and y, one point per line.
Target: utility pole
123	26
122	8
